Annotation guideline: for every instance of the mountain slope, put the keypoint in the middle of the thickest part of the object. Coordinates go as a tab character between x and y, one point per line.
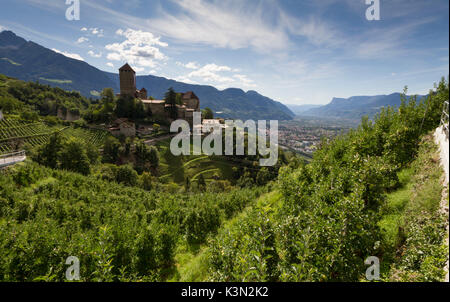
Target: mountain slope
29	61
356	107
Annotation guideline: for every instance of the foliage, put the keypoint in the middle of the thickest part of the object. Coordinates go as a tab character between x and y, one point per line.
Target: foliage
119	233
111	150
327	224
207	113
171	99
70	154
19	97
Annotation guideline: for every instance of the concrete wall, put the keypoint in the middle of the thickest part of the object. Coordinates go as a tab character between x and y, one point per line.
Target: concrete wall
68	116
442	141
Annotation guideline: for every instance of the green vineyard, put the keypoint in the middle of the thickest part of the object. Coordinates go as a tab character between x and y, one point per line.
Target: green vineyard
95	137
15	134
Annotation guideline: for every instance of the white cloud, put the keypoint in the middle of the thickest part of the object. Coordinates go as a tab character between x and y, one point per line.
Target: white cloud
210	73
185	79
190	65
84	29
2	28
94	55
140	49
82	40
110	64
220	76
138	69
69	55
97	32
244	80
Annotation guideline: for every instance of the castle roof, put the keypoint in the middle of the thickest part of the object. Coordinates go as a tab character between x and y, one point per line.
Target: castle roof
126	67
190	95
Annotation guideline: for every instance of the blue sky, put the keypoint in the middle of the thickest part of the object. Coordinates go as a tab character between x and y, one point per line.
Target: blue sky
294	51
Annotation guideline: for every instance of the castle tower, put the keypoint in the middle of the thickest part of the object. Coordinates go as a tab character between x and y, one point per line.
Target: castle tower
127	80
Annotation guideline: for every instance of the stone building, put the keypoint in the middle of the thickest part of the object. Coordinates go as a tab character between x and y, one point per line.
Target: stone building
158	108
124	127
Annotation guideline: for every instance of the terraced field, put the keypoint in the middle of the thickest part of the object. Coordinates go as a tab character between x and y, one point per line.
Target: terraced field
95	137
178	168
14	134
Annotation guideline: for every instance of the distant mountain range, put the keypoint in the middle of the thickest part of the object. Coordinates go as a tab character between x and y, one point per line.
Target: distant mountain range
29	61
300	109
354	108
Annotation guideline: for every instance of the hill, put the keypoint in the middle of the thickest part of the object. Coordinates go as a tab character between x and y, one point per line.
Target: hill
355	107
29	61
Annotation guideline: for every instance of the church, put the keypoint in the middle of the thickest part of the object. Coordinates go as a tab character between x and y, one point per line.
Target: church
159	108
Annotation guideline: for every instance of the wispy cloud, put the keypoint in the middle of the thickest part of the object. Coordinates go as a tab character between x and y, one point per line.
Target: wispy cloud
228	24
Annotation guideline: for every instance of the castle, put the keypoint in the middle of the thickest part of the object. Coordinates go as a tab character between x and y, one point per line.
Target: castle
158	108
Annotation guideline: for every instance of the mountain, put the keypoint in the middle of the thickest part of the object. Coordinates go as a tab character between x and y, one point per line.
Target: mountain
356	107
300	109
29	61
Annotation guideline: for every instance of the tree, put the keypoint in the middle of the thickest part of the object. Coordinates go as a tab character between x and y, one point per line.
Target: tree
92	153
126	175
263	176
129	107
125	106
47	154
142	157
207	113
111	150
187	184
154	157
73	157
171	100
147	181
201	182
108	96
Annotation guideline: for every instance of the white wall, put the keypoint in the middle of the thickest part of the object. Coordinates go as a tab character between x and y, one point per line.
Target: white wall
442	141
